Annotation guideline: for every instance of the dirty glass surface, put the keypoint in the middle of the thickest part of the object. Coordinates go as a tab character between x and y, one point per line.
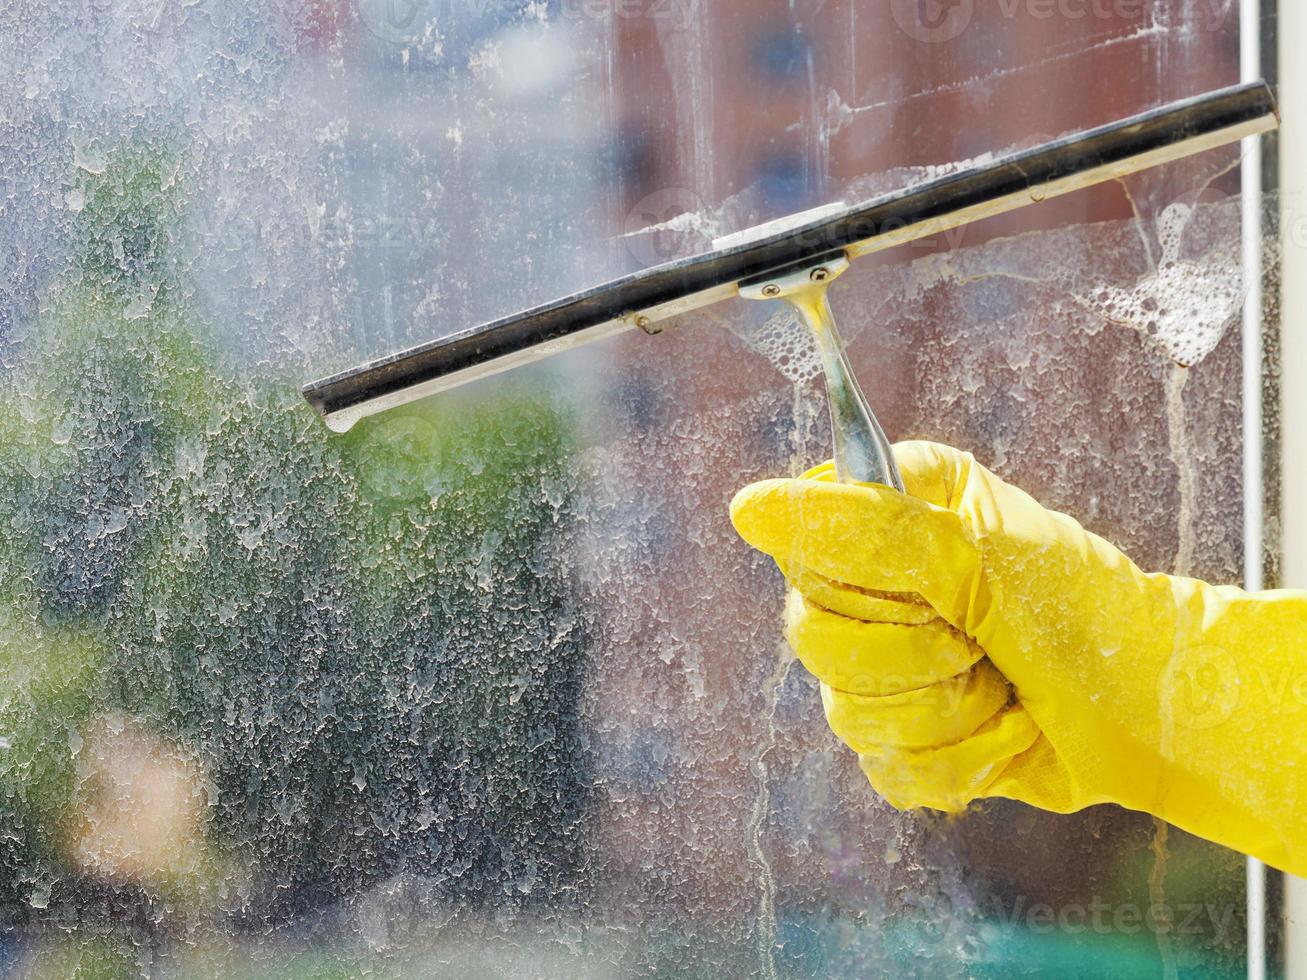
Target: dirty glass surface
488	686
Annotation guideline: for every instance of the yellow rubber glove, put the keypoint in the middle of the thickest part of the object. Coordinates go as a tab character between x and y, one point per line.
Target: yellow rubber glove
971	643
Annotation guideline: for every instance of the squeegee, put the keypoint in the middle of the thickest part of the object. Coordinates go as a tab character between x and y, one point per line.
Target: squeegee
794	260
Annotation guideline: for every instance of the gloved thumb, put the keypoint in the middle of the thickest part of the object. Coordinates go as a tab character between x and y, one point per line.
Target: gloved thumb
866	538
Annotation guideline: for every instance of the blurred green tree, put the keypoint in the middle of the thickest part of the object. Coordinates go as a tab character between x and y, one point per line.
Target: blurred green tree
370	642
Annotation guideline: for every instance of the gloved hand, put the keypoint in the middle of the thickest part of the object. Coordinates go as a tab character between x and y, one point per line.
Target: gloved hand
971	644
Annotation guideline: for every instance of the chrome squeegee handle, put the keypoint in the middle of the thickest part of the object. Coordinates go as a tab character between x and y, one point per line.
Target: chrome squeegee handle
862	453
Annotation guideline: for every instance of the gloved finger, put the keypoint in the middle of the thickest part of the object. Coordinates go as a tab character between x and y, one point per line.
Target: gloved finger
931	471
865	537
1039	777
846	600
940	714
875	659
949	777
934	472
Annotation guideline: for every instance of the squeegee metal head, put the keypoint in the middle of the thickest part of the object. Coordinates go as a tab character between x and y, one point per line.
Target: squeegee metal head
644	299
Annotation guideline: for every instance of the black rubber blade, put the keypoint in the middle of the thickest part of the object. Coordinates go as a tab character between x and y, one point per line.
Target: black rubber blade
644	298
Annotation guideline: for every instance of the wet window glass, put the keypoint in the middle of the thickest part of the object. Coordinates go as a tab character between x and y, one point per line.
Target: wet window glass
489	686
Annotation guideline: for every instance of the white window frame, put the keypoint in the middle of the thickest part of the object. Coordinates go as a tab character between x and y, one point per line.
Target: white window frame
1283	26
